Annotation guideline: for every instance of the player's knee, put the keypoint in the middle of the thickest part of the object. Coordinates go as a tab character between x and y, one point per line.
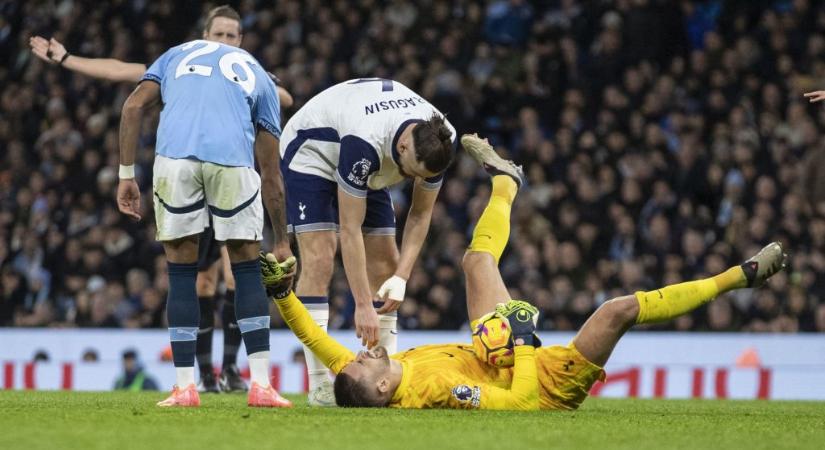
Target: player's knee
472	260
206	283
621	311
205	286
317	266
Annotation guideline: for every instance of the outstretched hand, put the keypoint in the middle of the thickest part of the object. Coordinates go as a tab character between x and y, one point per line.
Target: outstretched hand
277	277
523	318
51	51
815	96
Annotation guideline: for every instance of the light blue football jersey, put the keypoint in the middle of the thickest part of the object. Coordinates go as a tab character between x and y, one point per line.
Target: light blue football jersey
213	96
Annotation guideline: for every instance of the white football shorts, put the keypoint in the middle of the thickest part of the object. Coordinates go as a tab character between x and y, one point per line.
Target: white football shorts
187	191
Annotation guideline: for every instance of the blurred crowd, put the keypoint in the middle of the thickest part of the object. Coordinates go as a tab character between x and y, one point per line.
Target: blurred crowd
663	141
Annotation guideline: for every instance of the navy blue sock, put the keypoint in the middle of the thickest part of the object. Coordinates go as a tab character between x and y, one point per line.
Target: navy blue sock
251	306
203	349
231	332
183	313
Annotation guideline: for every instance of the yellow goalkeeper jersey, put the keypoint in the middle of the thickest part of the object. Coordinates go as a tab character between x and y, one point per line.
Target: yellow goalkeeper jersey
433	376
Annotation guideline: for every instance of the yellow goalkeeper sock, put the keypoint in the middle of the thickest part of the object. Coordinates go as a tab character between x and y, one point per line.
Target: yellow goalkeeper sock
673	301
493	228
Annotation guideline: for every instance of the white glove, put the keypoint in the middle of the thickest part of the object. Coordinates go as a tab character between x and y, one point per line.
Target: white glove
394	289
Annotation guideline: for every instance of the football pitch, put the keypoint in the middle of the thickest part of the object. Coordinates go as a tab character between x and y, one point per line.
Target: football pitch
71	420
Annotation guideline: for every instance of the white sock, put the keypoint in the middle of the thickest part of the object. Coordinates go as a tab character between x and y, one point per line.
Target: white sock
259	368
388	332
185	376
317	371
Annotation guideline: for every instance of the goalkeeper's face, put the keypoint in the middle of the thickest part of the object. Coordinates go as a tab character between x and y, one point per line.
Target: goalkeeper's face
373	363
365	381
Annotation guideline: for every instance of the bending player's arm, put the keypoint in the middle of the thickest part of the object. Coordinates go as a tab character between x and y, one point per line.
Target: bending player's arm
415	232
357	160
352	212
334	355
53	52
146	95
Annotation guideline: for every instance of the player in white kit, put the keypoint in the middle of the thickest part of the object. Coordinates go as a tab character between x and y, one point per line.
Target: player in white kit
339	153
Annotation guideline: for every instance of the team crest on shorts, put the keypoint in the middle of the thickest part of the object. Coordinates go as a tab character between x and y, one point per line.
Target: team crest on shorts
464	394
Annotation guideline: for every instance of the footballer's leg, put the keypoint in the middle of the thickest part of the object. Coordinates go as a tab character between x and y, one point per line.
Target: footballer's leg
485	288
599	335
230	380
183	315
206	286
313	217
181	216
317	256
233	196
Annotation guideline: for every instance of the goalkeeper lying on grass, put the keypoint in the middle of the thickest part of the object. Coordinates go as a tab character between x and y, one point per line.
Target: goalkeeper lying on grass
452	376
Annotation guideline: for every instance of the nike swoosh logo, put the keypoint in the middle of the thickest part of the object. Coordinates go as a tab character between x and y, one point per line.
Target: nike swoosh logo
393	332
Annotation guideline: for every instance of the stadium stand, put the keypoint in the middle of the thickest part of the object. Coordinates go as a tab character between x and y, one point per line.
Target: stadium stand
661	144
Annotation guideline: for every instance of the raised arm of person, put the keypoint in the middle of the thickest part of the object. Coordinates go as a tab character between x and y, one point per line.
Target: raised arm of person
53	52
145	96
415	232
334	355
815	96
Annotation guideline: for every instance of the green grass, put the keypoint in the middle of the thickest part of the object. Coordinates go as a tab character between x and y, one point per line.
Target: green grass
67	420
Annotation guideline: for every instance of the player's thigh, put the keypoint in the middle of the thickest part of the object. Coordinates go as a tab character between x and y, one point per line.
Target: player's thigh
316	250
233	195
379	238
312	214
179	199
484	285
600	333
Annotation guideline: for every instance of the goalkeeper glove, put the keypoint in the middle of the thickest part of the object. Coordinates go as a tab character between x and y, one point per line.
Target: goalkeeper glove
523	318
277	277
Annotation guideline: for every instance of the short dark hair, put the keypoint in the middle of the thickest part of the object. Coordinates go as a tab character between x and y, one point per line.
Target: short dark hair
223	11
433	144
350	393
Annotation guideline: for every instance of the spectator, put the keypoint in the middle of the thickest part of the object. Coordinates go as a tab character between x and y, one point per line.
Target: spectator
659	143
134	377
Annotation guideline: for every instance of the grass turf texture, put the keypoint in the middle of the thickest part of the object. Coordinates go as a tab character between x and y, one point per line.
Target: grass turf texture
71	420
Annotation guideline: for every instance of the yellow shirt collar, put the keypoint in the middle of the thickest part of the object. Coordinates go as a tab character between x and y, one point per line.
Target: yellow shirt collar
406	376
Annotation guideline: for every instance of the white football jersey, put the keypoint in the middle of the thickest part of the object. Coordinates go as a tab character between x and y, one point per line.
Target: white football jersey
348	134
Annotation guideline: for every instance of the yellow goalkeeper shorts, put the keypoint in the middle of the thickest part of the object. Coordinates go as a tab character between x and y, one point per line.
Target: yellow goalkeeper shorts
565	376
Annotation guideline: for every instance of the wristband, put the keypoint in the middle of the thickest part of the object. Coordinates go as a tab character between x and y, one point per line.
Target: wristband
126	172
63	59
